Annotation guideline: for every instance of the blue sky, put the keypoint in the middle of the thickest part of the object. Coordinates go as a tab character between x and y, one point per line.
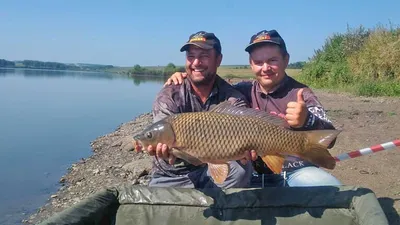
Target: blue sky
150	32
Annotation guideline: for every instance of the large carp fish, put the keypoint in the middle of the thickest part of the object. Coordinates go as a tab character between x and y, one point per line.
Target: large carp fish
225	132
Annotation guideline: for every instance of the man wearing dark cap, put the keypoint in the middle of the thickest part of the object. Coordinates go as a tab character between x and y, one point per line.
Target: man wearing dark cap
202	90
275	92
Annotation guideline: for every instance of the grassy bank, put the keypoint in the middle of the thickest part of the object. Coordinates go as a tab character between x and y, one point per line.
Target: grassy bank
361	61
244	72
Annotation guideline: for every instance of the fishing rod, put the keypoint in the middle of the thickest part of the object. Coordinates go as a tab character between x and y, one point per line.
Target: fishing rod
366	151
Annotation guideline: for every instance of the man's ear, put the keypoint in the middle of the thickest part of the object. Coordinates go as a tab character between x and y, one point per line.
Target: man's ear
286	59
219	59
250	62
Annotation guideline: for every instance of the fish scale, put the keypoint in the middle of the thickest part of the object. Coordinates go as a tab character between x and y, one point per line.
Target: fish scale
199	132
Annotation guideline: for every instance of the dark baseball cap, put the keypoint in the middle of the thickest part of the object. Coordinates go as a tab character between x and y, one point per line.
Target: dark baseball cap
266	36
203	40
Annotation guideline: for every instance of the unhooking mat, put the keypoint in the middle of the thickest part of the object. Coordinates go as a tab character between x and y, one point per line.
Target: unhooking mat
139	205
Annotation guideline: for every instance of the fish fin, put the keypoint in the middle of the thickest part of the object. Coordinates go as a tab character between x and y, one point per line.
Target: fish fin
219	172
316	148
227	108
188	158
274	162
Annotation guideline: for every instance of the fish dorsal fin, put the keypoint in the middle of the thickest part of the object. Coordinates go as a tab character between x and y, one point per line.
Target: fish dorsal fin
227	108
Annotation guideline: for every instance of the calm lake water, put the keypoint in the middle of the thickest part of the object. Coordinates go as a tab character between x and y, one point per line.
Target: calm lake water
47	121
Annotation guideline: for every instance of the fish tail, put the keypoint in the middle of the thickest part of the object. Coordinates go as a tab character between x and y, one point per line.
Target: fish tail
316	147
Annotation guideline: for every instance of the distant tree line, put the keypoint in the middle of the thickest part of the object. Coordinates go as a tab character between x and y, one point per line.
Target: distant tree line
163	71
44	65
6	63
35	64
241	67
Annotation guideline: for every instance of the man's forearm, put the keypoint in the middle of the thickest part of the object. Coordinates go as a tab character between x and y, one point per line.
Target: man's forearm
317	119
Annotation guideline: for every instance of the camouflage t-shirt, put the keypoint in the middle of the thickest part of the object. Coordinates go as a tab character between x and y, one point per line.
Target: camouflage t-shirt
174	99
276	102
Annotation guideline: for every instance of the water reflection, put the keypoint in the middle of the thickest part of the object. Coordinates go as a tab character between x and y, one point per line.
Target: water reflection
137	79
54	73
4	72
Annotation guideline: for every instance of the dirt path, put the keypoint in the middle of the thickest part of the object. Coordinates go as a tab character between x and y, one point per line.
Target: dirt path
364	121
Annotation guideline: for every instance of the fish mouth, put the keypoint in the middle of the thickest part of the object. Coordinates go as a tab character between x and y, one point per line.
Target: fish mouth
136	137
138	145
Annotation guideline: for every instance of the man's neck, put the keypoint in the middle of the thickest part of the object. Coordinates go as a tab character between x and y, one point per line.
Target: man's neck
267	89
203	91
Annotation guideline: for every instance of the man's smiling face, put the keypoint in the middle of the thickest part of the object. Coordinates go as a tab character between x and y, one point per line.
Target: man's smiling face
202	64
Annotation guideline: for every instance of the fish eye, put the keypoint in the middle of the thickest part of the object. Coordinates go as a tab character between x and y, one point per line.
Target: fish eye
149	135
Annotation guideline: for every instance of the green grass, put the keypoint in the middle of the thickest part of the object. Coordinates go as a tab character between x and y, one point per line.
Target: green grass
378	89
360	61
230	72
361	88
233	71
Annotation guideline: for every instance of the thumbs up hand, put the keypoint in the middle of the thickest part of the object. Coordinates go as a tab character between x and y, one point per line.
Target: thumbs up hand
296	112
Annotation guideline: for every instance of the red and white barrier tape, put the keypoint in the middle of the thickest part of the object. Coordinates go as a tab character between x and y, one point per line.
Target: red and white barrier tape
367	151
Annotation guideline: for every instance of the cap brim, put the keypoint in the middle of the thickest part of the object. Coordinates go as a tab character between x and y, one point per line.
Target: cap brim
200	45
250	46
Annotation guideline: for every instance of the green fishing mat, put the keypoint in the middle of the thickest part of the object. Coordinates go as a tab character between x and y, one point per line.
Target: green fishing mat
139	205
